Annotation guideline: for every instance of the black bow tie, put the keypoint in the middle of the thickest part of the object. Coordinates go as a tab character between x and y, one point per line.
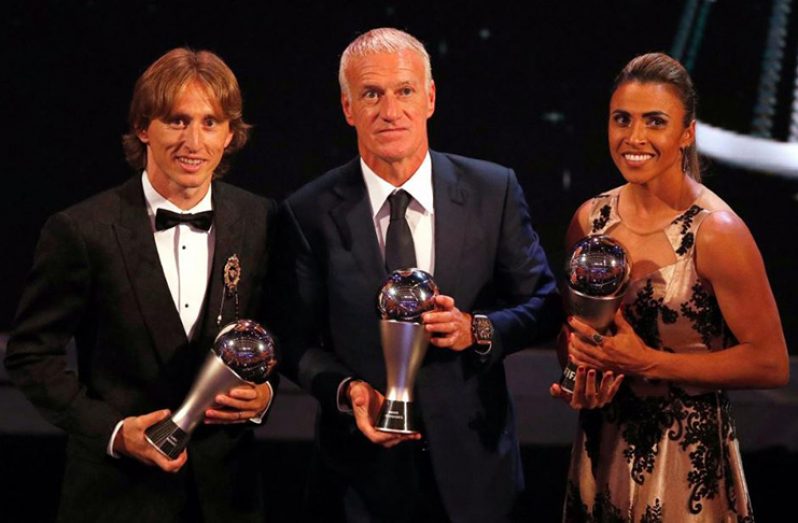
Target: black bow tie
167	219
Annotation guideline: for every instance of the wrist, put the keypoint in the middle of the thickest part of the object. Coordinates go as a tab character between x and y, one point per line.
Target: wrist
344	399
348	395
654	368
481	334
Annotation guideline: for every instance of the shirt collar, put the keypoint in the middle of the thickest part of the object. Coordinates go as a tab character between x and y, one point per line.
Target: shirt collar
419	186
155	201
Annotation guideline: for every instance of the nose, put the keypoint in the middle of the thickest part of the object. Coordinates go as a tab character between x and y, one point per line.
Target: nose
637	133
389	108
191	136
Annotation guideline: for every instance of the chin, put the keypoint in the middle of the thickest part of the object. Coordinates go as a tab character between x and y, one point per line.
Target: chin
638	180
192	181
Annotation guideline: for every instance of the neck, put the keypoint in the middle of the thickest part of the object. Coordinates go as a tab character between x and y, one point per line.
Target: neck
395	172
184	198
189	198
659	195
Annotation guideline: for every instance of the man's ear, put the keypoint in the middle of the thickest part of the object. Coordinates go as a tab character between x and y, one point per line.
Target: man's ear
431	98
346	105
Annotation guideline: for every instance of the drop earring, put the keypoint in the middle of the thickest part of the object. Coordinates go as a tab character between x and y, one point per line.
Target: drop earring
685	161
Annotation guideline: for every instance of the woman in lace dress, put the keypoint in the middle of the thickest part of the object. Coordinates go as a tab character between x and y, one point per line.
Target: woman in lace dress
656	439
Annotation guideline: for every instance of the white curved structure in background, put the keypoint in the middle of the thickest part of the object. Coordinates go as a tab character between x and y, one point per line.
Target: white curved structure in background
749	152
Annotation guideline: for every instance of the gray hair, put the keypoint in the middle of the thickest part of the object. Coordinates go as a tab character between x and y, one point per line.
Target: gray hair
382	40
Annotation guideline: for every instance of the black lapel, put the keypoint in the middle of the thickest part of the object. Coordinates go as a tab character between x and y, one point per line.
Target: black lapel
229	224
451	222
353	218
136	241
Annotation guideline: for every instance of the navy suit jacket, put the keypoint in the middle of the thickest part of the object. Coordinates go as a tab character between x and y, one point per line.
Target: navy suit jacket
97	277
487	257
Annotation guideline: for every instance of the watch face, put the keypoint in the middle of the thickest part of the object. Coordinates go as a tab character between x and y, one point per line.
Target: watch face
483	328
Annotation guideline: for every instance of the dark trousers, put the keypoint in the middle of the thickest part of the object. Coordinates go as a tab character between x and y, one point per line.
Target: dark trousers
398	486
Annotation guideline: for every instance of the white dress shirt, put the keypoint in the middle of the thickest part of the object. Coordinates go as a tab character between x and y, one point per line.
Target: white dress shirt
186	255
420	213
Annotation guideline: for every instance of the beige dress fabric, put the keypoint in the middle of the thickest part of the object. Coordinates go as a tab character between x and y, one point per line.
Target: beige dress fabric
661	451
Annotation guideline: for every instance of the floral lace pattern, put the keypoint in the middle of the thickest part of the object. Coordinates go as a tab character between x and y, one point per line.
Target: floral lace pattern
688	236
643	314
703	311
604	216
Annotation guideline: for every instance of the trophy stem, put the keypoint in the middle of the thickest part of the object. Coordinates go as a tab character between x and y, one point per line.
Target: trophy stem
404	345
170	436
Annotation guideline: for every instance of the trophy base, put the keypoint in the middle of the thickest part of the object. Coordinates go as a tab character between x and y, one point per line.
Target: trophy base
568	378
167	438
396	417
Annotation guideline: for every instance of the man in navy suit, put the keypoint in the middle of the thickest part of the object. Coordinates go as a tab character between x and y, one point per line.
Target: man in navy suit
466	222
135	276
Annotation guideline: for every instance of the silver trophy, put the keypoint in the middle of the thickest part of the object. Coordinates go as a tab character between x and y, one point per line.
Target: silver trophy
405	295
597	274
243	352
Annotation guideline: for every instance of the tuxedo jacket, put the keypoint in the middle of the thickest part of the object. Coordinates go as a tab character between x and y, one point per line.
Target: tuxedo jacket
97	278
487	257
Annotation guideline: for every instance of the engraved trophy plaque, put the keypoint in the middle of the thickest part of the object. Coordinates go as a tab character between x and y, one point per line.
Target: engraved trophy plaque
405	295
597	274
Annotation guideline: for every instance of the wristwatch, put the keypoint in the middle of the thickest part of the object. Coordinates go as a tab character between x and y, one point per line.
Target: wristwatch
482	329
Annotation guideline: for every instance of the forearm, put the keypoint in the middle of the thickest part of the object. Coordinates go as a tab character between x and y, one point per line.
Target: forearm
536	320
743	366
58	395
321	373
524	281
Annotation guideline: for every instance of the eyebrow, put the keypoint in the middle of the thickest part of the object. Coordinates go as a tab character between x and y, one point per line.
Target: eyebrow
403	83
645	115
186	116
371	87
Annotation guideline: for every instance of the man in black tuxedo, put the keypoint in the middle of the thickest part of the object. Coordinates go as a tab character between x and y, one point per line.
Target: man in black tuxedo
466	222
135	276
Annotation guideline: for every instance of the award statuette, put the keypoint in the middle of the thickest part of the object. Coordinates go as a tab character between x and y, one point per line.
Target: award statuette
405	295
597	274
243	352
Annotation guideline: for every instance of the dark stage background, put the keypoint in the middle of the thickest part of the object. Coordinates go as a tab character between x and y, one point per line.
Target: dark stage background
524	84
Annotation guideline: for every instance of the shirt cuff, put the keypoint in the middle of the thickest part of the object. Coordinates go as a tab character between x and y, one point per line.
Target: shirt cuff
259	418
110	449
344	406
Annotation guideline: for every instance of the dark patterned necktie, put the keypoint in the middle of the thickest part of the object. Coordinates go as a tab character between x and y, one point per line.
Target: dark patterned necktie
400	252
167	219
